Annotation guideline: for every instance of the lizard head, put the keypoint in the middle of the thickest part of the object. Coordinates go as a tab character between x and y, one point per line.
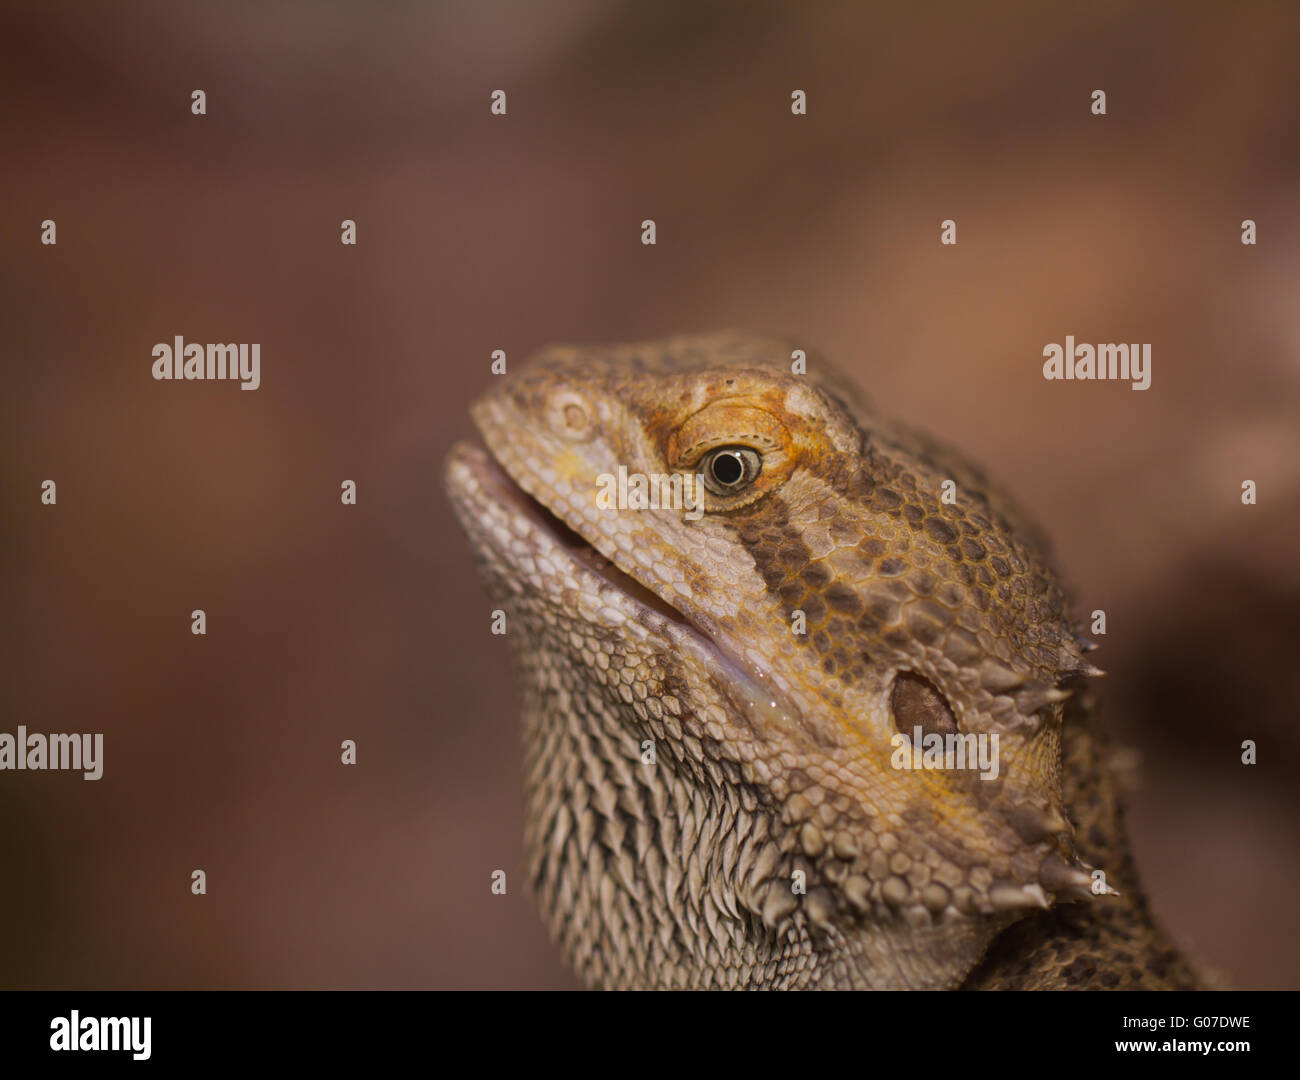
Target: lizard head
833	634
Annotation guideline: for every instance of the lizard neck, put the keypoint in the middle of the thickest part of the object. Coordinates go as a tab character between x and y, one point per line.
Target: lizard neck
901	957
673	874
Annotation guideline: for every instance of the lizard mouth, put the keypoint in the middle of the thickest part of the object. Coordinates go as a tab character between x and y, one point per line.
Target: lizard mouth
499	513
578	548
506	491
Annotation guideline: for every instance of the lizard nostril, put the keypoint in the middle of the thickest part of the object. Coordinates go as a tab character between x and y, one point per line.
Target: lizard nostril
570	416
917	702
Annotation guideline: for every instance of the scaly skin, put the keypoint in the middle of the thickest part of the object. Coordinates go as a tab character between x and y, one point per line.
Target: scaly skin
712	797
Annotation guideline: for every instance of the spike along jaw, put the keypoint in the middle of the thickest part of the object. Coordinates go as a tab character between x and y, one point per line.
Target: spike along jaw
891	658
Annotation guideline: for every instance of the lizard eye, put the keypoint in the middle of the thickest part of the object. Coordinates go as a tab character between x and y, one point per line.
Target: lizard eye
730	469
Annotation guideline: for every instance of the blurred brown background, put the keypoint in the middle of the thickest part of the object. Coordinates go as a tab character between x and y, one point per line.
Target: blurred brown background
477	233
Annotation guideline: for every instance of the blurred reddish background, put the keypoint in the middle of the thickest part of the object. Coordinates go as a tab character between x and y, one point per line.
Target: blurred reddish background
475	233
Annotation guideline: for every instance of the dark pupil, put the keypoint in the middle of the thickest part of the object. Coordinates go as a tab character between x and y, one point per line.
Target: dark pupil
728	469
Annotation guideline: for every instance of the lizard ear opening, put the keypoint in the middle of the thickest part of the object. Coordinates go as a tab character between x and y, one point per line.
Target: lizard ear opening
916	702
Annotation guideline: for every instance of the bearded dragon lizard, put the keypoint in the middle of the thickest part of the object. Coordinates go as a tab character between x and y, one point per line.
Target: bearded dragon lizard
714	702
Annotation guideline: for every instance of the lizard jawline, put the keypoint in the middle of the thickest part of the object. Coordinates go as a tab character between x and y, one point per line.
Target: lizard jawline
751	693
502	484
